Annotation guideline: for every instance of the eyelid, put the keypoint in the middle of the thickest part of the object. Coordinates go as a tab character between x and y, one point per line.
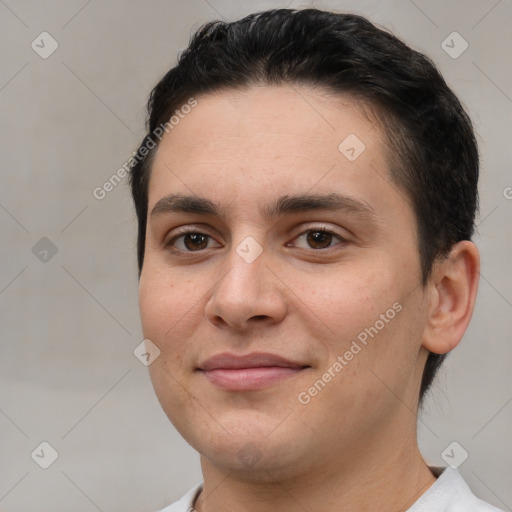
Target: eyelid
185	230
199	229
323	228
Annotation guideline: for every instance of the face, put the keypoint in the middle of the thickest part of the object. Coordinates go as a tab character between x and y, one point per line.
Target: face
281	282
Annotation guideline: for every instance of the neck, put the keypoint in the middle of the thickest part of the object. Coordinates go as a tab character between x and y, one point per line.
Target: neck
393	476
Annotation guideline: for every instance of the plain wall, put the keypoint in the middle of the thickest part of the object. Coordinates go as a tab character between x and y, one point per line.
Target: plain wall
70	323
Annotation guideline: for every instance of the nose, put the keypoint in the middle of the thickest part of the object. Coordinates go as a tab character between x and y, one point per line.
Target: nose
247	296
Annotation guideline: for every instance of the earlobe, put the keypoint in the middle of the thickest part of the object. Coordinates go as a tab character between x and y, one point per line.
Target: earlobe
452	294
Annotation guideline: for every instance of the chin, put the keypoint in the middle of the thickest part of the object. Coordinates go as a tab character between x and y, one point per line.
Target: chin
249	446
256	461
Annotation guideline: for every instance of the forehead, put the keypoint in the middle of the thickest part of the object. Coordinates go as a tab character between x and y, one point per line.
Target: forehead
280	116
249	145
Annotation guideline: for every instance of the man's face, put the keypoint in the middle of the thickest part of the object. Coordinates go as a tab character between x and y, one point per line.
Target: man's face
326	287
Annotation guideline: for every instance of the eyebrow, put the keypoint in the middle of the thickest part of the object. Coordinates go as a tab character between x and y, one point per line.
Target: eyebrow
179	203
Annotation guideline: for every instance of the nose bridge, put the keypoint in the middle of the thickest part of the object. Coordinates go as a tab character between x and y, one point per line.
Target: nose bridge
247	290
243	282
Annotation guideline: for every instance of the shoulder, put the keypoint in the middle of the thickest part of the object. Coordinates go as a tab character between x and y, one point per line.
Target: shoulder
450	493
186	503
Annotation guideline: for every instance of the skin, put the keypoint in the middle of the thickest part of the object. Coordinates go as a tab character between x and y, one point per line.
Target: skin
354	443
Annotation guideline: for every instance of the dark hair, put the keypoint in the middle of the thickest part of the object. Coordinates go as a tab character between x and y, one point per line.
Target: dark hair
433	153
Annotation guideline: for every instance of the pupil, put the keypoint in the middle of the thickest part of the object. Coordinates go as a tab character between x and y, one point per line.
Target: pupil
195	241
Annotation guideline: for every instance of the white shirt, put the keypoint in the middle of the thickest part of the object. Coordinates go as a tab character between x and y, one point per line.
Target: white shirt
449	493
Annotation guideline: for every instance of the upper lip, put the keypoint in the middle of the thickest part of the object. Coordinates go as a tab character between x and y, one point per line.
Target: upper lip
253	360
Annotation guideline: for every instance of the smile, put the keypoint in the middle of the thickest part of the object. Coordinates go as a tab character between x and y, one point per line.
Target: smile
249	373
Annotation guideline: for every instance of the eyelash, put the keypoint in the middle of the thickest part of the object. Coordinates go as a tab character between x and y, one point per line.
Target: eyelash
315	229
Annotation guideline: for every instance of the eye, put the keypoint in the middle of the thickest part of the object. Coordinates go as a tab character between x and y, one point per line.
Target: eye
317	239
192	241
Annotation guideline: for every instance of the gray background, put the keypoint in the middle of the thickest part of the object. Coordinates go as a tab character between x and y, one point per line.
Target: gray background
69	320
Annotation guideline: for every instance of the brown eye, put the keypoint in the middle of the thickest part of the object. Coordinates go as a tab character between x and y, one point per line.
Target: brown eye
192	241
195	241
319	239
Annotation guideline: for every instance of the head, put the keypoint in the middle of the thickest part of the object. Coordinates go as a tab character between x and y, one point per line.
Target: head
287	118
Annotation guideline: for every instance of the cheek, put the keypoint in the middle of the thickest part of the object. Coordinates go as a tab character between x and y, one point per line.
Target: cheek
344	300
367	317
166	302
154	297
162	310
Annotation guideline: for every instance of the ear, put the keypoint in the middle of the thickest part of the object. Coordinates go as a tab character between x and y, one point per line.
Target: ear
452	293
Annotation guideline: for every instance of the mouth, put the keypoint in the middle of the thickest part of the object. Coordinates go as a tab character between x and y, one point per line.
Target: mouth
250	372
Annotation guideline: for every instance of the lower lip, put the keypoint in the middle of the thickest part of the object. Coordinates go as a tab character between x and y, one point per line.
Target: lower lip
249	379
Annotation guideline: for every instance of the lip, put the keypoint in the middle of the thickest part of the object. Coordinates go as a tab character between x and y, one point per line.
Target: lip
249	372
